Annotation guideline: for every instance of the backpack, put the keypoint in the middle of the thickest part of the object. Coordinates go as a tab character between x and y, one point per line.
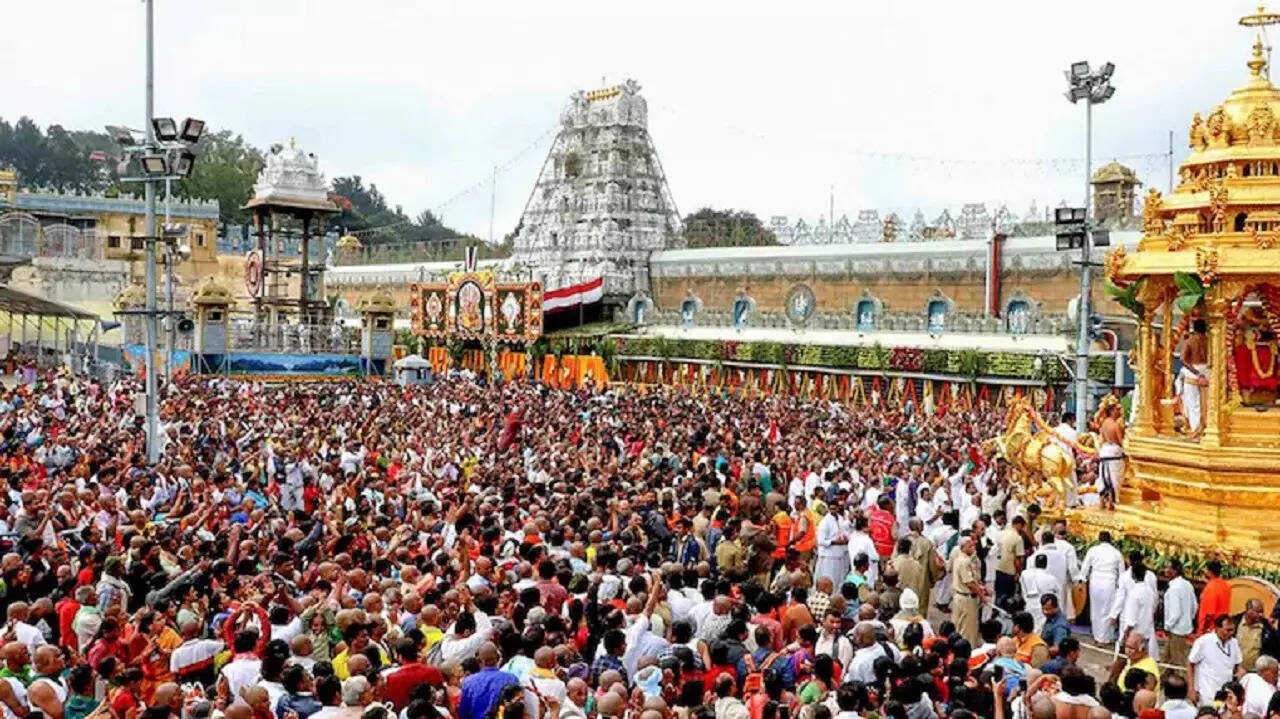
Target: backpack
435	656
754	681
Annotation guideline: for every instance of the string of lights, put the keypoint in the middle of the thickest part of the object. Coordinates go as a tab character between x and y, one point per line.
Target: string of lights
488	179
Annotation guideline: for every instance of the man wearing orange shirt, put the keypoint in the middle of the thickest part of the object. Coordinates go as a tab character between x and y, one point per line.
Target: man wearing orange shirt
1215	599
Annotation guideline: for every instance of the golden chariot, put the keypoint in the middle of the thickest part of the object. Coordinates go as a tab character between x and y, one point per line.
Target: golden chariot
1210	250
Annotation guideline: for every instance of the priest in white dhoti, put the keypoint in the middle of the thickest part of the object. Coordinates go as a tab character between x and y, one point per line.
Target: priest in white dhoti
1065	437
833	554
942	536
1102	566
1193	378
1058	566
1036	582
1068	551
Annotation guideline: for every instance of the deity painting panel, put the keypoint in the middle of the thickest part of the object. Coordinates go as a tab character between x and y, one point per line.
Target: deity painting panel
471	307
434	308
687	308
1018	317
741	312
937	316
510	312
866	316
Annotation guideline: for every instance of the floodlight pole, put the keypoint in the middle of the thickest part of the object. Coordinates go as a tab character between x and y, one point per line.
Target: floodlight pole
1082	331
153	445
168	254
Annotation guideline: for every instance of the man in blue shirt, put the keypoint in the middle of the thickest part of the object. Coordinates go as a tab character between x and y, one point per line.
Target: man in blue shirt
482	690
1055	624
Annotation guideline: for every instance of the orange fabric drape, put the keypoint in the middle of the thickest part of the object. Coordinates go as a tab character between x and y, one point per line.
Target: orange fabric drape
439	359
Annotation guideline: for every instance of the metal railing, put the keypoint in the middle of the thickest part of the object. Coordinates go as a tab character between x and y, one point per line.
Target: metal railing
248	336
21	235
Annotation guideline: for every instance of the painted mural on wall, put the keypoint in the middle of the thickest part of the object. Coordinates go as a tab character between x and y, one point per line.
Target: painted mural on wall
301	365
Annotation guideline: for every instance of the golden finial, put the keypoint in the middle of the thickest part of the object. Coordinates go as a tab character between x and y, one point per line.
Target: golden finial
293	143
1257	63
1260	19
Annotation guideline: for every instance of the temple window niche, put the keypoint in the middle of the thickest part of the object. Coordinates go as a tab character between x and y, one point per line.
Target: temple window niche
938	310
866	312
1020	314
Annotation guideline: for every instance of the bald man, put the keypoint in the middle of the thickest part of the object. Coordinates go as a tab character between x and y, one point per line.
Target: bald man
575	699
542	686
482	690
46	694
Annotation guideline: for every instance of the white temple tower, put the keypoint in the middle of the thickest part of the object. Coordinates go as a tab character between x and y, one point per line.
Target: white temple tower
601	203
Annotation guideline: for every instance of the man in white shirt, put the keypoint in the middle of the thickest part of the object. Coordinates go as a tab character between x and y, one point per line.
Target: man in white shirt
1057	565
1259	685
19	613
1068	551
1176	705
862	667
1213	660
1138	614
1036	582
1101	568
860	543
1179	614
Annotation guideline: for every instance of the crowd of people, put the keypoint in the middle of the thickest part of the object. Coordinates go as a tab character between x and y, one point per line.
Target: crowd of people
360	550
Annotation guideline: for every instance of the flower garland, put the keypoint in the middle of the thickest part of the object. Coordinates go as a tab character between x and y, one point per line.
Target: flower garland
910	359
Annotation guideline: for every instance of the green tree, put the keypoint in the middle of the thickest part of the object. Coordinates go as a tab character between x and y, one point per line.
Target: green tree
225	169
726	228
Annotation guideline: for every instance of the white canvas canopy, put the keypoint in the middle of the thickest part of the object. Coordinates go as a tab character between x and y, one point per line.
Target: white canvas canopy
412	362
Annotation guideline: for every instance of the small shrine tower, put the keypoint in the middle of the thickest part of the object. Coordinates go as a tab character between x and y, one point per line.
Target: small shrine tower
1114	186
290	187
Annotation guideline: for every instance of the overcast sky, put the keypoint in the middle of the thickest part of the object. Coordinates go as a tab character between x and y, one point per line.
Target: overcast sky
762	106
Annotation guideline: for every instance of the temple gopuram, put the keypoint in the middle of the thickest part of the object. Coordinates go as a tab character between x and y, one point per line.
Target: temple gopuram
1205	288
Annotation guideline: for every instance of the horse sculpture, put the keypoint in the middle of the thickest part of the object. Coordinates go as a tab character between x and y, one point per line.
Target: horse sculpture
1043	463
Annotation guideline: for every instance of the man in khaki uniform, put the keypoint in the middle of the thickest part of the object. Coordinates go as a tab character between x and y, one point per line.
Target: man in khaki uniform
1249	634
729	554
910	574
1012	555
969	591
923	551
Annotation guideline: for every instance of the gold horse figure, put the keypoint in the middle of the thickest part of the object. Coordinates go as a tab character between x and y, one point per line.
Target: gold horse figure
1042	469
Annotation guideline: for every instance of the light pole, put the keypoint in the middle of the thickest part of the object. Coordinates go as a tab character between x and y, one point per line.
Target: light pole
166	153
1094	88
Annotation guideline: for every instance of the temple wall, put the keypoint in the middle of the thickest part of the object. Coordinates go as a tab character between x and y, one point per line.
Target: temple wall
903	276
837	293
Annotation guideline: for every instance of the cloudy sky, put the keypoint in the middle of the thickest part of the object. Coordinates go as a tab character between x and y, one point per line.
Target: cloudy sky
769	107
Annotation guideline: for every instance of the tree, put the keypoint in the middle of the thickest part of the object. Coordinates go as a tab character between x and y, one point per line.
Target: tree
225	169
726	228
